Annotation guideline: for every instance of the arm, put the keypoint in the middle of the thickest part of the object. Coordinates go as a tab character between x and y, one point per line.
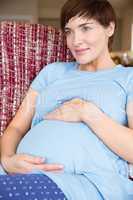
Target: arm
16	163
19	125
117	137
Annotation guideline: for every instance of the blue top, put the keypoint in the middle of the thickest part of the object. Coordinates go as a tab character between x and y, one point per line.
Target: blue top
91	169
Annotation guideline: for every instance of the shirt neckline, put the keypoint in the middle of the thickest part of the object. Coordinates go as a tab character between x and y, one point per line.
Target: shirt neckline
96	72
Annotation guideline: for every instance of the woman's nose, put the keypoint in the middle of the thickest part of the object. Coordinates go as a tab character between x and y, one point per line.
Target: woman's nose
77	39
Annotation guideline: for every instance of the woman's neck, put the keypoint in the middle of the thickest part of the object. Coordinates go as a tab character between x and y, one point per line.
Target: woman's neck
98	64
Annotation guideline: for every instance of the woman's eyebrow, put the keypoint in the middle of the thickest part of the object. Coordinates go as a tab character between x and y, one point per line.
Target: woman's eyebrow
80	25
66	28
87	23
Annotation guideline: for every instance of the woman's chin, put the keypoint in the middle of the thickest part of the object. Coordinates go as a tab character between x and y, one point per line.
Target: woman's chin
83	61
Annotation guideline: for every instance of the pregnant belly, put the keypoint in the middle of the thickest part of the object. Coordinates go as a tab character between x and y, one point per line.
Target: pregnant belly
70	144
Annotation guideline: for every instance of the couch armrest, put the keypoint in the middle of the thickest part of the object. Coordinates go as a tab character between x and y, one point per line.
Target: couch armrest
0	147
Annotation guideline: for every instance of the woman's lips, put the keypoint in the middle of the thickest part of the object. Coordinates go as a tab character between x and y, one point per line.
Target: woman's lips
80	51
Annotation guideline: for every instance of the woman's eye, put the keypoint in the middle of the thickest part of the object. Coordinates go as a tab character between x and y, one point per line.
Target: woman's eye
67	32
86	28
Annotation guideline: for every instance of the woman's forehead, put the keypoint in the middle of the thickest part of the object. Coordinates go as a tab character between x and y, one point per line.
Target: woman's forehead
77	20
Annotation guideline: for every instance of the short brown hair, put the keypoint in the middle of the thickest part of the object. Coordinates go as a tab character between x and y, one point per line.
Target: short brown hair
100	10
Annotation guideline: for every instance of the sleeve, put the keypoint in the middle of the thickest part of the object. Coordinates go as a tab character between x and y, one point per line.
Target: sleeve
42	79
130	87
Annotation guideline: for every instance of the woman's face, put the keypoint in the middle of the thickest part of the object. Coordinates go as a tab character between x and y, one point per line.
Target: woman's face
87	39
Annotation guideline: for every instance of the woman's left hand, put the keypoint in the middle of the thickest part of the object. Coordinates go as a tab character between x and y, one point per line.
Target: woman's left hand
70	111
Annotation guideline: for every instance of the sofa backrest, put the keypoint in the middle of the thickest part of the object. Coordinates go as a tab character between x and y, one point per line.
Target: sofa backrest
24	50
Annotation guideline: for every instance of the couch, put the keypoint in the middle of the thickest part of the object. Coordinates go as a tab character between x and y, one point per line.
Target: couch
24	49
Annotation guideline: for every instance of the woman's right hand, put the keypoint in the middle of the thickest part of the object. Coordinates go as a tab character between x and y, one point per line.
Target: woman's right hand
24	163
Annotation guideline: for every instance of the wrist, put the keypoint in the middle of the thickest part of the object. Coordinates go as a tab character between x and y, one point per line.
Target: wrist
6	163
7	154
90	112
4	158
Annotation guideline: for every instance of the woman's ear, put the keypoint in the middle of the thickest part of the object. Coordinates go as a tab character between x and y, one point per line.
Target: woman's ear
111	29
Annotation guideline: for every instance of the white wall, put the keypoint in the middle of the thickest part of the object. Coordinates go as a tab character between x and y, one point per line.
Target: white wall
19	10
51	13
49	21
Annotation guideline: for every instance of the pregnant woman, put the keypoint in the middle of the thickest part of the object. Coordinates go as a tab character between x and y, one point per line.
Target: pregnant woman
72	137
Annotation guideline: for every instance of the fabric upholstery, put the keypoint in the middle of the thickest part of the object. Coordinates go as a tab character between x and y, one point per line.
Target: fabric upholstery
24	50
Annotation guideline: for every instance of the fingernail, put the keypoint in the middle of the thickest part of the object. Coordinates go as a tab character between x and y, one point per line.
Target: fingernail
61	166
43	159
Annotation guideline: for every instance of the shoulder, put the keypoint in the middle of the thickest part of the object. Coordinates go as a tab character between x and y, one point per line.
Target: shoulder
126	79
125	74
51	73
129	73
56	70
60	66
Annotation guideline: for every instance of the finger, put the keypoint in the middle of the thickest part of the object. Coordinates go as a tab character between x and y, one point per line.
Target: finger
49	116
45	167
53	115
52	167
34	159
